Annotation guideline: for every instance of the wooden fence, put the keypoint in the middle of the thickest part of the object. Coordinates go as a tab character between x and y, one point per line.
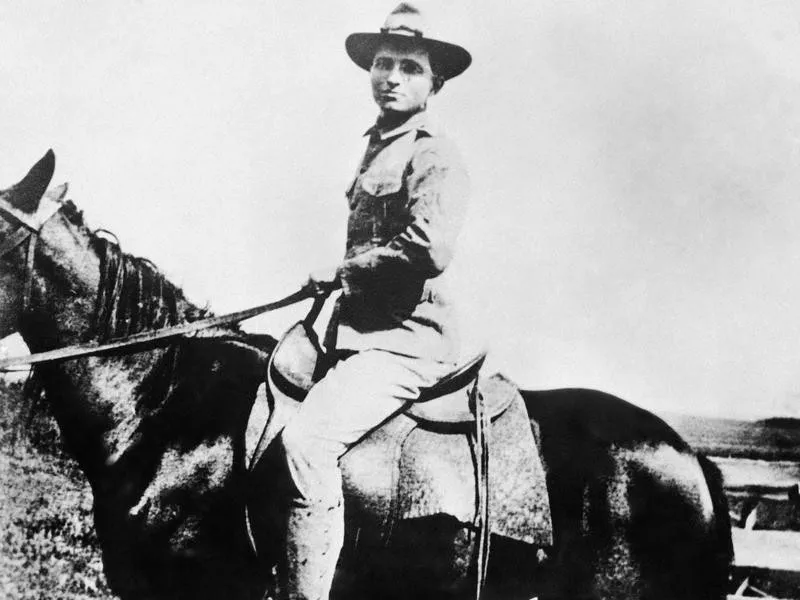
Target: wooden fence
760	463
764	498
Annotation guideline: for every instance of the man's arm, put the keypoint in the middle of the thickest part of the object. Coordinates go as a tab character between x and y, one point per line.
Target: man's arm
438	191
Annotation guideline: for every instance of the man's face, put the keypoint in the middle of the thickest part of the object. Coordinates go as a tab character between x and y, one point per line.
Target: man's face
402	79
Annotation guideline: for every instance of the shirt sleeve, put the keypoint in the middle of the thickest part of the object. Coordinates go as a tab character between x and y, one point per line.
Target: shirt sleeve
438	191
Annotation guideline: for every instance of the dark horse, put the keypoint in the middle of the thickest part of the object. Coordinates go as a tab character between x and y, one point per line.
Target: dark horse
159	433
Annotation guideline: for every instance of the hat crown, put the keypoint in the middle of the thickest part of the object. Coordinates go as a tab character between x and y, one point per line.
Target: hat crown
406	19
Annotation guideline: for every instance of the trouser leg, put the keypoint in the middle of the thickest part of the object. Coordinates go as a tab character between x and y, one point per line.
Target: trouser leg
355	397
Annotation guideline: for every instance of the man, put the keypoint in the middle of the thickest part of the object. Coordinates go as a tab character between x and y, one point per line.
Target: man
395	329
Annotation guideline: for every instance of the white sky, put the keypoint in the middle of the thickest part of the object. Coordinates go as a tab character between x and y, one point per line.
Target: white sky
635	224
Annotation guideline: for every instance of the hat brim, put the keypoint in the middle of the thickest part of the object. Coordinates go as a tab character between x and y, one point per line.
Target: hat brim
449	60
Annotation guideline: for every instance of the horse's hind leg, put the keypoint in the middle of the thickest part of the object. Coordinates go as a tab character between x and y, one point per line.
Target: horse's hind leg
606	519
686	535
661	540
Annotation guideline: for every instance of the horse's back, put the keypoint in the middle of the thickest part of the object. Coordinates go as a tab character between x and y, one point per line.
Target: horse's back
597	418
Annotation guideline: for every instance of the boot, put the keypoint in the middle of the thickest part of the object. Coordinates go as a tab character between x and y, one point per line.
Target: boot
314	539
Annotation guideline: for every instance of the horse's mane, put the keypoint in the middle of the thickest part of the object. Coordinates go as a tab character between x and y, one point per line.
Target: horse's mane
133	295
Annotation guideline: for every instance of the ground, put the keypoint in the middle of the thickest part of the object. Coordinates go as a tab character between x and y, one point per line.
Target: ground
48	547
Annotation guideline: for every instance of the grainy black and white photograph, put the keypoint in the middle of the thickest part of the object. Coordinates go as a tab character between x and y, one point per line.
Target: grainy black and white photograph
399	300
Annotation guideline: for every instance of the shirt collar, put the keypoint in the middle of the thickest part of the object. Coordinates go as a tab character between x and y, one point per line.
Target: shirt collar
414	122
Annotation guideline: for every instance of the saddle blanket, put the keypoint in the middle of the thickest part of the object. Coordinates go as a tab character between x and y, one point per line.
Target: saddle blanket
409	469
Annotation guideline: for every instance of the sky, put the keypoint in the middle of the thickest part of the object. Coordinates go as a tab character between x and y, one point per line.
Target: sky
634	223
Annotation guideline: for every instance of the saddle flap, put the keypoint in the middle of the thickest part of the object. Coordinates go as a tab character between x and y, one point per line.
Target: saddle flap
297	361
295	364
404	471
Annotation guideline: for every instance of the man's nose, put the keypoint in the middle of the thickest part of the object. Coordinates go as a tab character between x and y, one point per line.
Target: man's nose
395	76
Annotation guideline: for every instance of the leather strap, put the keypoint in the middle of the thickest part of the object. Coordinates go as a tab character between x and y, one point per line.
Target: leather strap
483	516
316	308
14	240
28	289
148	337
30	226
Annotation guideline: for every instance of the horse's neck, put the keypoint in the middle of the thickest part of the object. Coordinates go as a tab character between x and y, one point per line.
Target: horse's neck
94	399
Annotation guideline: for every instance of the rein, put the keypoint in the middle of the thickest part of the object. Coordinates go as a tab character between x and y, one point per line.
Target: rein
31	225
147	337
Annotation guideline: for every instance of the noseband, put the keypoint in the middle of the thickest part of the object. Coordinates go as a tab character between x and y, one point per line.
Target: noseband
28	230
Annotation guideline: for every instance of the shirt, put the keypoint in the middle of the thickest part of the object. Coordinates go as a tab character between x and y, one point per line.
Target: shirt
407	205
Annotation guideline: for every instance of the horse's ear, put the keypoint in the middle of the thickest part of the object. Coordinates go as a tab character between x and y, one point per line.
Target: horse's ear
27	194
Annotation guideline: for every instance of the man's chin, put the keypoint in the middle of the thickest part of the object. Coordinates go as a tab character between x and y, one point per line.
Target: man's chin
395	108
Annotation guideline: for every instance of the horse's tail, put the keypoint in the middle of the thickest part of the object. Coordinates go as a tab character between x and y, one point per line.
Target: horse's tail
720	552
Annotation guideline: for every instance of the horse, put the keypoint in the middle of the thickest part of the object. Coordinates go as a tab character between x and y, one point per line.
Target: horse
159	433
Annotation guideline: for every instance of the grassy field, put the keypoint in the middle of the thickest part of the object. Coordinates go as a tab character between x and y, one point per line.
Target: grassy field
769	439
48	548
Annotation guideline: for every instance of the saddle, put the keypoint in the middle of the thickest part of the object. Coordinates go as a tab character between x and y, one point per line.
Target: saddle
464	449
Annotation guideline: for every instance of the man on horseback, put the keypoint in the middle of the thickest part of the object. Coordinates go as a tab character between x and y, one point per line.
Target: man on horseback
393	327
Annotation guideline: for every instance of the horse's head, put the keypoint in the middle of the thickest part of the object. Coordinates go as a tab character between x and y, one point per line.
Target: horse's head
18	207
156	430
35	239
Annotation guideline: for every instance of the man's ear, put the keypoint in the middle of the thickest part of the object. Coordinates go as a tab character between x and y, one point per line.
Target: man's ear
438	84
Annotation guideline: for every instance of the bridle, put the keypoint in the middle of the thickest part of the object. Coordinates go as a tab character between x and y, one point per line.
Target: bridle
29	228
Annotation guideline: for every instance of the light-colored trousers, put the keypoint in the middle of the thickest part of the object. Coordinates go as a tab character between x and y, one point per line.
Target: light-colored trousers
356	396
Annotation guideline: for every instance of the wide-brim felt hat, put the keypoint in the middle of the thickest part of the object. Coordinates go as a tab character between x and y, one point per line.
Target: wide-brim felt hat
406	25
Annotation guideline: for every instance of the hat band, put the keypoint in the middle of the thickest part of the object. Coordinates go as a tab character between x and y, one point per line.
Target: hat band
401	31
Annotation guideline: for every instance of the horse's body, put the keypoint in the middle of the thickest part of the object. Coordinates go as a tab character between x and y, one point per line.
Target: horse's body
159	434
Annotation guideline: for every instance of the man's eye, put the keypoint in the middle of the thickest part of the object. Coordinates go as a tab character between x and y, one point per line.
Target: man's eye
383	64
411	68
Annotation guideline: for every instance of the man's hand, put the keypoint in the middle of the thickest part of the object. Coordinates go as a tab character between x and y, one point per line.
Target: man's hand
324	280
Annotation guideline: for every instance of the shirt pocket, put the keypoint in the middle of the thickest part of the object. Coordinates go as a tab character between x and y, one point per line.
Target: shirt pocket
377	210
382	183
373	188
